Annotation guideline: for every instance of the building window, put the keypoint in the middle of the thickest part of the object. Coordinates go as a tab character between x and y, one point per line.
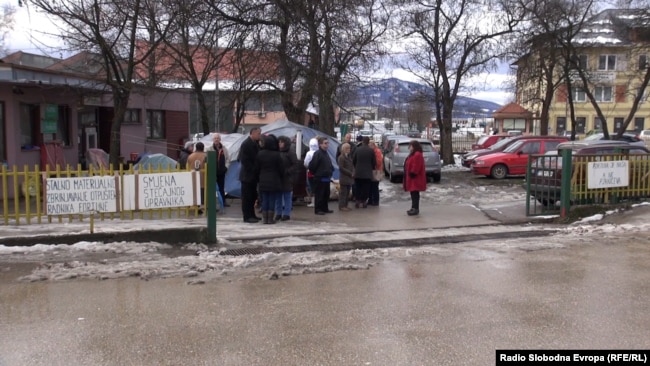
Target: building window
618	123
581	122
639	124
560	125
29	126
643	62
579	95
582	62
155	125
603	93
607	62
598	125
63	126
132	116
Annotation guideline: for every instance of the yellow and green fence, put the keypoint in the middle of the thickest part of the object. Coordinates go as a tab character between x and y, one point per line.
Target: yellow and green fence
22	191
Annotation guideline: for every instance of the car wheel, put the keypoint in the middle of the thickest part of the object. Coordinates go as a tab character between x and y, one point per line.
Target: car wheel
391	177
499	171
436	177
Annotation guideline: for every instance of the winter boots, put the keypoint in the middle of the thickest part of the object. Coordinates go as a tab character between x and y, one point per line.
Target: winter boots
268	218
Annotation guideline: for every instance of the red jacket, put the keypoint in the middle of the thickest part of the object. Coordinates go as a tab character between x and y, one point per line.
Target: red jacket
415	176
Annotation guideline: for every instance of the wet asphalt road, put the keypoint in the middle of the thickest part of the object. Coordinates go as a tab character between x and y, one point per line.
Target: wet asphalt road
453	308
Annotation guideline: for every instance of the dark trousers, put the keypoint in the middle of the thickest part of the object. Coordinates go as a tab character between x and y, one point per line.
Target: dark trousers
363	190
415	200
373	198
248	197
321	195
221	181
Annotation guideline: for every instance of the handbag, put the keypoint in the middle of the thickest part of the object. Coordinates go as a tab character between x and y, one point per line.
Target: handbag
377	175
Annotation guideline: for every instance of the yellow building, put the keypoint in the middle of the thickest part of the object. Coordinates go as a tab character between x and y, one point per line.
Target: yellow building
613	48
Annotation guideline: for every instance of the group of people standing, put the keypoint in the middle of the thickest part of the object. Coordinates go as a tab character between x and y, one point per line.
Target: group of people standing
267	165
270	168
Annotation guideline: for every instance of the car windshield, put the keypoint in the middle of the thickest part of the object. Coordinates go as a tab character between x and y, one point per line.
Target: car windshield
425	147
514	147
482	140
500	144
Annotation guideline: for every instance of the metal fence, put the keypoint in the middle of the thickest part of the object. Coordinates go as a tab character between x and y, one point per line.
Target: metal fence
555	183
22	196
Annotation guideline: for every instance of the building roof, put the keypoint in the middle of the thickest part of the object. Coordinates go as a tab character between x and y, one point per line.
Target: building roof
614	27
512	110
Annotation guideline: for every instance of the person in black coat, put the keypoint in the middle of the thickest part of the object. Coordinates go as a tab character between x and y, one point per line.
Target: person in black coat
269	167
322	168
284	203
247	175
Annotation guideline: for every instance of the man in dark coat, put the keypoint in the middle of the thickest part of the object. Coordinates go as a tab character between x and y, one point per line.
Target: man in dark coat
247	156
364	164
269	167
322	168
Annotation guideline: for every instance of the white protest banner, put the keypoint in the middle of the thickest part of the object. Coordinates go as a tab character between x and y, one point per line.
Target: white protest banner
607	174
159	190
78	195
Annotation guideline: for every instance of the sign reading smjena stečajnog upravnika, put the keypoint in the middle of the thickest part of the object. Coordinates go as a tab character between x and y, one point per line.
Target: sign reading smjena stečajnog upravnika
608	174
81	195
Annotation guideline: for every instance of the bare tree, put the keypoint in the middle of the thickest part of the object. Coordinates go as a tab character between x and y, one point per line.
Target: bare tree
319	44
453	41
6	24
631	31
112	30
196	48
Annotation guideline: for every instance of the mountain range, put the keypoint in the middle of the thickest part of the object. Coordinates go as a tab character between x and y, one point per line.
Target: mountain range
390	94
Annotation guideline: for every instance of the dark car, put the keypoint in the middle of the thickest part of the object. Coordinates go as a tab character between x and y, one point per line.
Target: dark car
469	158
546	171
630	137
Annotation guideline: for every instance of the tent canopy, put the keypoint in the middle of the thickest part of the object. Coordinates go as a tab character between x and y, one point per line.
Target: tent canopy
233	141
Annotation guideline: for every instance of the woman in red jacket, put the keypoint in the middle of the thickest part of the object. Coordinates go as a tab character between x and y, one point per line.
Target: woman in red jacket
415	176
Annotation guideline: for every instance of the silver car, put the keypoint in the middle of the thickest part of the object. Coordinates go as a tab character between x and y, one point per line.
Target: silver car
397	150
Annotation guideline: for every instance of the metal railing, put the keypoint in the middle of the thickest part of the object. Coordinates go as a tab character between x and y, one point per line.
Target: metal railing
22	196
555	183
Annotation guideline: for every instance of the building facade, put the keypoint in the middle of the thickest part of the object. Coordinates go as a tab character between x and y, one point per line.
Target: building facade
613	49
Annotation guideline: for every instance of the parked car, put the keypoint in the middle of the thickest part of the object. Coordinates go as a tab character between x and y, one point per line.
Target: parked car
414	134
488	140
469	158
398	150
630	137
514	159
546	171
645	135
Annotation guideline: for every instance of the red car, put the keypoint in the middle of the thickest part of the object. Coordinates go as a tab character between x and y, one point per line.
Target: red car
513	160
487	141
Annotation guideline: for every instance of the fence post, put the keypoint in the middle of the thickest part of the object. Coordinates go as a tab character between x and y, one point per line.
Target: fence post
211	199
565	187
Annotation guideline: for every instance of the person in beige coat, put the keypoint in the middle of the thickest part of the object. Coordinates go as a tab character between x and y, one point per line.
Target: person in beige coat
196	162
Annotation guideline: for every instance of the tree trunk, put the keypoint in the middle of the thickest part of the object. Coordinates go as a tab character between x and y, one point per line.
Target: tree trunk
203	110
445	133
120	103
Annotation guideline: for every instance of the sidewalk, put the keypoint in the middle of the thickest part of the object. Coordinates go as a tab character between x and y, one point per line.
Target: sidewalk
384	218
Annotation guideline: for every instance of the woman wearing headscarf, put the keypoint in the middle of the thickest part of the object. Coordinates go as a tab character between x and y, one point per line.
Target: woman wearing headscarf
415	177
